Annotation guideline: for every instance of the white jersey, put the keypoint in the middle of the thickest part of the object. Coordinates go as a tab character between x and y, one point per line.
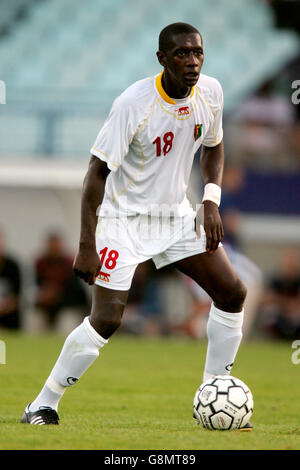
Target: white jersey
149	141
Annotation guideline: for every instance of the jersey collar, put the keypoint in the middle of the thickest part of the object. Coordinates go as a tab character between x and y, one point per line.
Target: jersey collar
162	92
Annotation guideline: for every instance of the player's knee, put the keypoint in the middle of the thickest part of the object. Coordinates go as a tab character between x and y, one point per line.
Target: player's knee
234	300
108	327
107	320
238	296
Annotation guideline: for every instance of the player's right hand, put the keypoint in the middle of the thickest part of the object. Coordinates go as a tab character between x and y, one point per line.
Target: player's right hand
87	264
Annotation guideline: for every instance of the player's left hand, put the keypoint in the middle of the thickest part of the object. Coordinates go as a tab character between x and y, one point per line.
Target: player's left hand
213	226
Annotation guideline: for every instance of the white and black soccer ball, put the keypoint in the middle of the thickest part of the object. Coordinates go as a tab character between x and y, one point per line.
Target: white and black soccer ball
223	402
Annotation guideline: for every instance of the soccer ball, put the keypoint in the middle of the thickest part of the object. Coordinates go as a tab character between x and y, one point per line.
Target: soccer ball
223	402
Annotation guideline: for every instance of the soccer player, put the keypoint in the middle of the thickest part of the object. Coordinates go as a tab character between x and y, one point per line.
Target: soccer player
140	165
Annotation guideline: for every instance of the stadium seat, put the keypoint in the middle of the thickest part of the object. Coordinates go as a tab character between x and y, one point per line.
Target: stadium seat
66	49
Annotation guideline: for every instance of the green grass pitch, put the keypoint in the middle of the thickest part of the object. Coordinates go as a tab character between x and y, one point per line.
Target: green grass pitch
139	394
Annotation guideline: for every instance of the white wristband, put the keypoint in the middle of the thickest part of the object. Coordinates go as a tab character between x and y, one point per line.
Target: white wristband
212	192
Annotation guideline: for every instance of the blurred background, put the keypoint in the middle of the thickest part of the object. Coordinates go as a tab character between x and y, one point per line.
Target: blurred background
63	63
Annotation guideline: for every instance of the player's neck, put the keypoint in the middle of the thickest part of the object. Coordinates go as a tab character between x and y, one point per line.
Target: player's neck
174	90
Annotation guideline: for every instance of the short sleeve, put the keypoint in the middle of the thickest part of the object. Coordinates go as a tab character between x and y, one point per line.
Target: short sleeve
113	140
214	134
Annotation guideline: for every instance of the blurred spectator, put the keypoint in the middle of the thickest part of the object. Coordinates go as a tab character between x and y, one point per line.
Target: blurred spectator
195	322
233	181
10	287
172	300
286	13
158	302
134	321
261	133
268	108
197	315
147	309
61	300
281	304
195	326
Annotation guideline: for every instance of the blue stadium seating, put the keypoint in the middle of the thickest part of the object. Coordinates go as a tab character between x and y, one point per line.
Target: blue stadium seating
65	54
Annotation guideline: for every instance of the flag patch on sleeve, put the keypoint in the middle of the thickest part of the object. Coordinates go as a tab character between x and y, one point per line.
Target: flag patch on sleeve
197	131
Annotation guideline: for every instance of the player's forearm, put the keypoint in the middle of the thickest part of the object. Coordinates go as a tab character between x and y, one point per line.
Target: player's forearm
91	199
212	164
92	196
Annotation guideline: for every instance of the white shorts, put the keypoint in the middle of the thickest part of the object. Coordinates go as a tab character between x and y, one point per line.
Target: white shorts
123	243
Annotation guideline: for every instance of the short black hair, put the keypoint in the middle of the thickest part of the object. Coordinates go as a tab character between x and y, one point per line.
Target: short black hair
165	36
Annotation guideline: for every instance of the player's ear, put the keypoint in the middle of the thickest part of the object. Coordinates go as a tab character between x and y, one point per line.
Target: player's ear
161	58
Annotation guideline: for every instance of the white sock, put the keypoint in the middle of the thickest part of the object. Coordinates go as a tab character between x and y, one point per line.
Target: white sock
224	332
80	350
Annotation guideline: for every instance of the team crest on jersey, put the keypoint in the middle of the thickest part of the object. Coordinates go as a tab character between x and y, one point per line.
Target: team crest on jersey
197	131
183	111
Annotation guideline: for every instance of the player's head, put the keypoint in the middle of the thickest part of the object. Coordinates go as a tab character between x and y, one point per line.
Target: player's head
54	244
181	53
